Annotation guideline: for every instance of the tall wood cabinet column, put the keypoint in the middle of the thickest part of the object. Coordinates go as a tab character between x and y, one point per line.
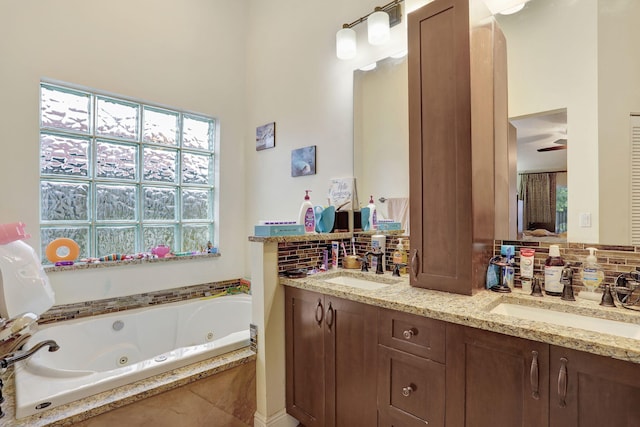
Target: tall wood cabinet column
452	119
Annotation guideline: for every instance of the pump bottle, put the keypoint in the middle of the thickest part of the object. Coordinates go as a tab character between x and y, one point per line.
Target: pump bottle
307	216
553	272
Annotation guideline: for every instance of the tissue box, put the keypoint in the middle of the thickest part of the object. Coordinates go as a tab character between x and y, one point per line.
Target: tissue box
272	230
388	226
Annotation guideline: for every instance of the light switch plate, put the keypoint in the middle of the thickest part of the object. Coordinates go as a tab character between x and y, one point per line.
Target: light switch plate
585	219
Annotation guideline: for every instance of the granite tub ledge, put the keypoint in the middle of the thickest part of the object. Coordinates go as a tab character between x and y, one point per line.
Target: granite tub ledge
315	237
474	311
68	414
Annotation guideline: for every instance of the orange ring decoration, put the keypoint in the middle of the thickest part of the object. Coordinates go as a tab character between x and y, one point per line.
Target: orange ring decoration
52	250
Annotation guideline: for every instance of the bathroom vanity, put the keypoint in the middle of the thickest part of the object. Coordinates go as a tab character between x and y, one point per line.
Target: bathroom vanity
406	356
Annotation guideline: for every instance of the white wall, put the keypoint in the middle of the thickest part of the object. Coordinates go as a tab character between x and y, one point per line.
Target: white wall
188	55
618	96
552	64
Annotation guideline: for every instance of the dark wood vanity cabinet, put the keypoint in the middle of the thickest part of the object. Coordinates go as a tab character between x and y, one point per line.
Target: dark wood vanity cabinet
453	117
411	370
498	380
588	390
495	380
331	346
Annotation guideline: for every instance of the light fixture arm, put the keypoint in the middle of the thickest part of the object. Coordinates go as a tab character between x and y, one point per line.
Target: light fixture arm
386	8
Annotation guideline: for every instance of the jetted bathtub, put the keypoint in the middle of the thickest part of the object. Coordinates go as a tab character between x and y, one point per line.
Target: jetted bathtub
107	351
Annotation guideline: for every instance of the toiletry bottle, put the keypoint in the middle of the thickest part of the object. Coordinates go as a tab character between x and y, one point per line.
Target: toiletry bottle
592	274
400	256
373	214
307	216
553	272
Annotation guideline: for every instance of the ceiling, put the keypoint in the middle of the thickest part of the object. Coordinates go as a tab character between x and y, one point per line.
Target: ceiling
547	131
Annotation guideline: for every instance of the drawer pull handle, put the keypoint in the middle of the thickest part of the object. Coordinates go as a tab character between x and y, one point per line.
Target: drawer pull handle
406	391
330	313
409	333
562	382
415	264
319	313
534	377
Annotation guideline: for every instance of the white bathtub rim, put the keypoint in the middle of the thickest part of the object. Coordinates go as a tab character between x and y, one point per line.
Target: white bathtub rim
40	385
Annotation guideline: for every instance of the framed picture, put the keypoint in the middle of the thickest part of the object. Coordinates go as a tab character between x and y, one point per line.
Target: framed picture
266	136
303	161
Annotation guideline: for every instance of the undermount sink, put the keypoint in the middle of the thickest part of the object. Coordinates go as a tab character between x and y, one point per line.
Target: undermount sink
355	282
594	324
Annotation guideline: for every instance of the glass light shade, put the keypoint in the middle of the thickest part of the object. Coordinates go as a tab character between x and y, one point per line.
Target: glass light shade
346	43
378	29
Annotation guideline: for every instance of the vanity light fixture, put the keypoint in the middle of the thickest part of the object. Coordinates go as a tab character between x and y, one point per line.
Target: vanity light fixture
505	7
369	67
379	23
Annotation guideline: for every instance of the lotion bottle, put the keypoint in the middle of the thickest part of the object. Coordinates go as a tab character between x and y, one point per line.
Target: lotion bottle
307	216
373	214
553	272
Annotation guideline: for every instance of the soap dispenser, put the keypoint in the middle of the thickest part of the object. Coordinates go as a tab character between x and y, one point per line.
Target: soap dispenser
400	257
307	215
592	276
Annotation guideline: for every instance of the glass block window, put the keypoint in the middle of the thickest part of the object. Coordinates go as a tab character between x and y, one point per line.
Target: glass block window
121	176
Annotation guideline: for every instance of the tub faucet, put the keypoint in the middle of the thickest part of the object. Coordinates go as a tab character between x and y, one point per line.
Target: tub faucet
13	358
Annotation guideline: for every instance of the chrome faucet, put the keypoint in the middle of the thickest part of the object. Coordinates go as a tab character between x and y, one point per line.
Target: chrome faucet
14	358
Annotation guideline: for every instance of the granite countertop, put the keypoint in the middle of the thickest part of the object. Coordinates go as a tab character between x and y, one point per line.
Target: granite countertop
474	311
82	409
313	237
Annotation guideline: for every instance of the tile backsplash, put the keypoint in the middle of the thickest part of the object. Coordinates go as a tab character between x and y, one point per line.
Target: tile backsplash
614	260
110	305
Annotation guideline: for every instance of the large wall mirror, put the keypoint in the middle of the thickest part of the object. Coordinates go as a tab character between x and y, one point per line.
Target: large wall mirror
572	60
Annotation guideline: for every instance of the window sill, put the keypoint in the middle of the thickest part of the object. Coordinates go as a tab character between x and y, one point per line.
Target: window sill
109	264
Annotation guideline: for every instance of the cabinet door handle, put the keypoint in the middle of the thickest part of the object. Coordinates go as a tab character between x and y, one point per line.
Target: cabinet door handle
406	391
415	264
330	316
409	333
562	382
533	375
319	313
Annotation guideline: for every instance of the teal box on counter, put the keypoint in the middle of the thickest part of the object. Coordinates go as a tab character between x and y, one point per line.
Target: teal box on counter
272	230
389	226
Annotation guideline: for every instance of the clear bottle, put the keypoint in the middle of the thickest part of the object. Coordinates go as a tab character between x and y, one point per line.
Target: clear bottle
307	215
592	276
553	266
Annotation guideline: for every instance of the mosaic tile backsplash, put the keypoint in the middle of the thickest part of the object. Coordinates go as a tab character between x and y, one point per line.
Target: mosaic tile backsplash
110	305
613	259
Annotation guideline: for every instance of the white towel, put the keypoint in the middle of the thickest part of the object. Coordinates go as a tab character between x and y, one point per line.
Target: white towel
398	210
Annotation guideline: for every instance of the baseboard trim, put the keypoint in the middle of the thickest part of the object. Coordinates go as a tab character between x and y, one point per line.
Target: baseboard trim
280	419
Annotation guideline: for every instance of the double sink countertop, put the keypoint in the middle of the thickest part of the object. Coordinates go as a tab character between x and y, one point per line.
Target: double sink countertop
476	311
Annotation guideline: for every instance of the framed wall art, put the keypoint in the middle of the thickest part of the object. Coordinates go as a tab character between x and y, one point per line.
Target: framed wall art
266	136
303	161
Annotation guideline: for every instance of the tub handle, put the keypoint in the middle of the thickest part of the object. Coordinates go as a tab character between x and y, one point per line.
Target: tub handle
319	313
330	316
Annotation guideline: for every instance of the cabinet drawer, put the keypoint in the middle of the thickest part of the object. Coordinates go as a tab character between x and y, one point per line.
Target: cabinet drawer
414	334
411	390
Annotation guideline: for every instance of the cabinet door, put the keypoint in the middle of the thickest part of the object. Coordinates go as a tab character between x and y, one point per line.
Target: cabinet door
351	340
593	391
495	380
411	390
305	356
